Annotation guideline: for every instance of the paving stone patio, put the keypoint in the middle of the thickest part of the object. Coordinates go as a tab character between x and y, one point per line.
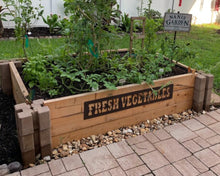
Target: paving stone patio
189	148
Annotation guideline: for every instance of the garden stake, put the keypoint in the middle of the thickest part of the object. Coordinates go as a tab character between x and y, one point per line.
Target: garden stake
26	41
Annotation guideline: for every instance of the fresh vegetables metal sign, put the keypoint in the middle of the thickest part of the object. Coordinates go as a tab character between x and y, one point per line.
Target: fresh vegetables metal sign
100	107
177	22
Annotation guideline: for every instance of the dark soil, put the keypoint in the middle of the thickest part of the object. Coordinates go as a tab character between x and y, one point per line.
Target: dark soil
9	146
35	32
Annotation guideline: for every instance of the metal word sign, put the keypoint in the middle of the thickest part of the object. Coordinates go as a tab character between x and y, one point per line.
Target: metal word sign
177	22
121	102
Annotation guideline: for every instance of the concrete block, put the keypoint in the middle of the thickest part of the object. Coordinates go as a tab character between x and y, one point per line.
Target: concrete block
25	123
209	81
39	101
44	118
45	137
207	99
46	150
28	157
198	107
26	143
200	82
198	96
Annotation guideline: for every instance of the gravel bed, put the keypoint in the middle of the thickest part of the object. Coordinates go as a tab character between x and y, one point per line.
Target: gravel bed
95	141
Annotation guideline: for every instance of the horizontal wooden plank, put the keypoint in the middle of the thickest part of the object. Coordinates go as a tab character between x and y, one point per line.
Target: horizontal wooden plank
76	122
19	90
138	18
130	120
61	107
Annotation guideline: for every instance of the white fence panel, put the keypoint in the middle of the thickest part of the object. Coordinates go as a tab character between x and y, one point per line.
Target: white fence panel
202	10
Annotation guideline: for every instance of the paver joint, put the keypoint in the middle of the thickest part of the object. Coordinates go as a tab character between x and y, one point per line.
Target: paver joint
188	148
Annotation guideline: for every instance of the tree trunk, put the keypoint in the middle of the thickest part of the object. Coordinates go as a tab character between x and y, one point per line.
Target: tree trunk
1	28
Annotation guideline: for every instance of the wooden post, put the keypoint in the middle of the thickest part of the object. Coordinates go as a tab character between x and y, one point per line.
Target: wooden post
142	36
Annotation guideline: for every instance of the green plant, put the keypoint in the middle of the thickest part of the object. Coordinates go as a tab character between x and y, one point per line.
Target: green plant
89	29
52	21
23	13
125	22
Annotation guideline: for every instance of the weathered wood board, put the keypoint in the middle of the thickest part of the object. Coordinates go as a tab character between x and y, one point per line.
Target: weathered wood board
68	117
19	90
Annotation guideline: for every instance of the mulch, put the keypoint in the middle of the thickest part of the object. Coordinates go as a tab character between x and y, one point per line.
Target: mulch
9	146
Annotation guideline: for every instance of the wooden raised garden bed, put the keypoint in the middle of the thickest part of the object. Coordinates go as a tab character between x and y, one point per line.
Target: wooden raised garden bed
45	124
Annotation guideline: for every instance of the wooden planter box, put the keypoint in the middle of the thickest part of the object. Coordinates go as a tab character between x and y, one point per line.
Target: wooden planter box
47	123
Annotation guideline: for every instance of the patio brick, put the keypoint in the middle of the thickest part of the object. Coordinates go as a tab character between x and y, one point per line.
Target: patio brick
46	174
57	167
214	140
192	146
135	140
161	134
172	150
167	171
216	169
15	174
208	157
35	170
193	124
138	171
216	149
214	115
186	168
98	160
202	142
197	164
78	172
72	162
215	127
117	172
151	137
180	132
129	161
106	173
209	173
206	120
142	148
154	160
205	133
120	149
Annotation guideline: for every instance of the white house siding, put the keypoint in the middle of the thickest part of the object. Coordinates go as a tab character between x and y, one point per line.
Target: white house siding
202	10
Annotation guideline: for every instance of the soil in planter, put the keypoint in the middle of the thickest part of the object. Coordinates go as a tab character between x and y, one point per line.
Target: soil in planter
35	32
9	146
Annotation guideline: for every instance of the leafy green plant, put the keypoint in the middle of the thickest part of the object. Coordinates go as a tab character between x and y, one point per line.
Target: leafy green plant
125	22
52	21
23	13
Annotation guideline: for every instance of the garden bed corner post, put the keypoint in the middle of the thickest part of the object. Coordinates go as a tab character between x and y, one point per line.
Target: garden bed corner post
33	127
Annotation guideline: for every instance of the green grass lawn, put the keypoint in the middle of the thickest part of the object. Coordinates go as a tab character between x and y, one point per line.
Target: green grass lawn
203	39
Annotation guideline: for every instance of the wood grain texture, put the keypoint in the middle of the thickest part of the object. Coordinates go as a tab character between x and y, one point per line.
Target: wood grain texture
129	120
70	105
19	90
76	121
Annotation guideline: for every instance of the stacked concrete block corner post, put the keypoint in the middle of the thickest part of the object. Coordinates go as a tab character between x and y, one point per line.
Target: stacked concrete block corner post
25	129
43	116
208	91
33	126
5	76
199	92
